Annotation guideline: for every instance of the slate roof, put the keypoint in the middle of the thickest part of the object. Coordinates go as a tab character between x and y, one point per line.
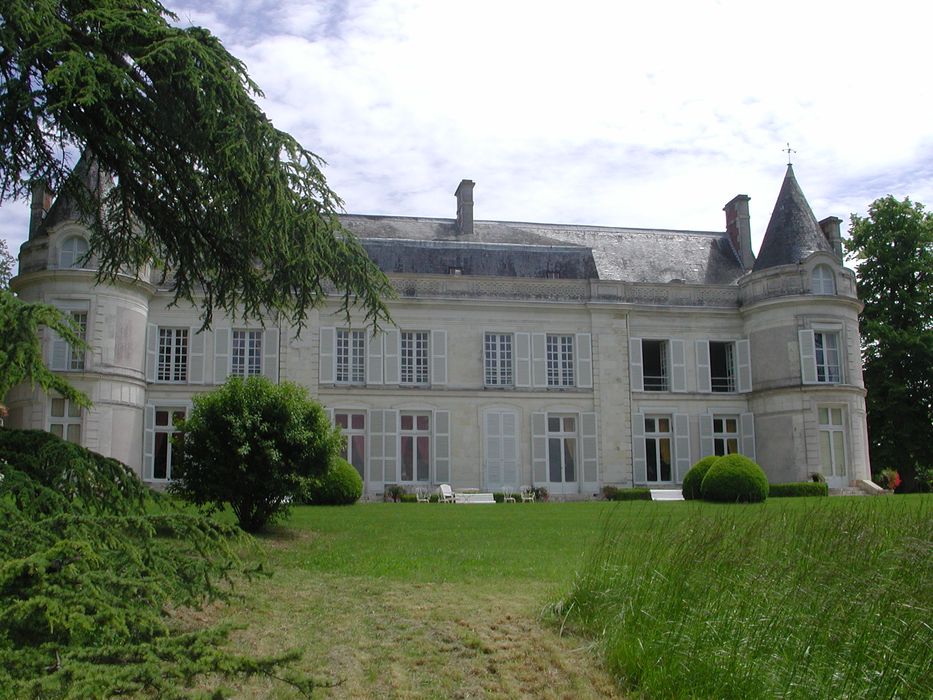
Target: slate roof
793	232
86	174
516	249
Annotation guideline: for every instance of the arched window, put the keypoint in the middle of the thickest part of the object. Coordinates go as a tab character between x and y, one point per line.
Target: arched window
822	280
72	252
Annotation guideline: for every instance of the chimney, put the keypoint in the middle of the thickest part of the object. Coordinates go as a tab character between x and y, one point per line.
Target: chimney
739	229
464	195
830	226
41	203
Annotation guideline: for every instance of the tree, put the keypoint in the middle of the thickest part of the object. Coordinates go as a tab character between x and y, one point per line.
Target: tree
184	167
6	264
252	443
894	245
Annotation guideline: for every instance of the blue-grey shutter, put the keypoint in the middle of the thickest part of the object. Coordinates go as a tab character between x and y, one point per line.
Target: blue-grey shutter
441	447
195	356
707	448
326	373
391	356
584	358
148	440
590	448
704	380
539	359
374	358
539	448
681	445
636	366
221	355
678	366
744	362
390	438
152	351
639	458
522	360
807	356
747	427
439	357
270	354
376	448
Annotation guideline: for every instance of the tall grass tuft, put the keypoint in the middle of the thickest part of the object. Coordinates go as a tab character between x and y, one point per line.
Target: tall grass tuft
827	599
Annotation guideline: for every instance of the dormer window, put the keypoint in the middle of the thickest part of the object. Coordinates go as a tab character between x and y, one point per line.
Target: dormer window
822	280
72	252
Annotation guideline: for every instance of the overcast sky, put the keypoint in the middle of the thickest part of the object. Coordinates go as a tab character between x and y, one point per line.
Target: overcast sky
594	112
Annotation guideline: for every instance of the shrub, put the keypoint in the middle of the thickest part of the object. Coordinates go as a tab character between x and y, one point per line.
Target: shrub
498	497
734	478
613	493
799	488
408	498
694	477
541	493
393	492
249	443
340	485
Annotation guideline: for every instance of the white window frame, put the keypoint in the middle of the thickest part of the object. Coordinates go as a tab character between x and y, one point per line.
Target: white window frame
835	435
660	382
74	361
246	352
71	416
70	253
658	436
498	359
729	383
559	349
350	356
412	435
822	280
172	359
414	358
726	441
168	430
348	451
828	359
562	436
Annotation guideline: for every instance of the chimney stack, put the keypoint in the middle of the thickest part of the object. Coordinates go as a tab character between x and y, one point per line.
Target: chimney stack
40	204
464	195
831	230
738	226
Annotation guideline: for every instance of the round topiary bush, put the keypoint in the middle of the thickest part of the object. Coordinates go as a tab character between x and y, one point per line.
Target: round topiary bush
340	485
735	479
694	477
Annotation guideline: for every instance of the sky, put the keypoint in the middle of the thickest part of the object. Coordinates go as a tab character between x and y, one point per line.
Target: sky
613	113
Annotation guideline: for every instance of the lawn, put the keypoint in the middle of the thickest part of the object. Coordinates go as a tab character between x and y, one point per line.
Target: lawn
429	600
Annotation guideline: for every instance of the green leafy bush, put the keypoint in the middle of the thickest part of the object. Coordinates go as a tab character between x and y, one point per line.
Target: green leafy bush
408	498
734	479
798	488
340	485
614	493
694	478
393	492
249	443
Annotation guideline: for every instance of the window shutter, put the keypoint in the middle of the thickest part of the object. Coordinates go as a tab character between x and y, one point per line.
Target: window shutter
441	447
744	360
636	368
330	415
747	426
510	475
438	357
704	379
221	355
152	351
522	360
639	459
327	355
706	435
270	354
390	445
678	366
148	440
58	354
590	448
493	453
374	358
681	445
807	356
539	448
539	359
376	448
584	358
195	356
393	369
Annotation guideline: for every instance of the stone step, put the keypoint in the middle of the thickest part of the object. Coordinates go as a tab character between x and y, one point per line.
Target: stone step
667	495
847	491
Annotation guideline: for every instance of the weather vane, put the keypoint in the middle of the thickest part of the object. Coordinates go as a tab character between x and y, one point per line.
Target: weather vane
788	150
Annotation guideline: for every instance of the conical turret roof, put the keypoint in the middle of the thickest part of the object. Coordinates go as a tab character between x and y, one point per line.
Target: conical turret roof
793	232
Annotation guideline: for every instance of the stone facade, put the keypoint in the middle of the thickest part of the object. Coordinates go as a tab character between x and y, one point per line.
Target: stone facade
568	357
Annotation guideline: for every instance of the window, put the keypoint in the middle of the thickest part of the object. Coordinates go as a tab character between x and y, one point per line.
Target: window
826	345
562	448
658	448
725	435
72	252
498	359
164	457
655	362
353	427
351	357
75	358
832	441
65	420
414	361
722	366
559	360
822	280
415	446
173	355
246	360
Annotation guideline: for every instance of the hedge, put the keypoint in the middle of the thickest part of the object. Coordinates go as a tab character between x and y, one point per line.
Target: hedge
798	488
613	493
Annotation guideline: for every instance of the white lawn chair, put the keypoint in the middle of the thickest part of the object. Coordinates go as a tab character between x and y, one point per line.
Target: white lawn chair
507	495
528	494
421	493
445	493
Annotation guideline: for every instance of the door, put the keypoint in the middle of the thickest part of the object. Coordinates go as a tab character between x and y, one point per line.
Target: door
562	454
501	449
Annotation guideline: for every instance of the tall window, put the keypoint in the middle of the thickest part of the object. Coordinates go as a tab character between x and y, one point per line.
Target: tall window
832	441
165	453
353	427
246	359
827	357
415	444
351	357
725	435
655	363
822	280
560	360
722	366
562	448
65	420
498	359
75	359
173	355
414	364
658	448
72	252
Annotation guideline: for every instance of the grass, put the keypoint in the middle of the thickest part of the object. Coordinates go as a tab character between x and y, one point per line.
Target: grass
653	600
